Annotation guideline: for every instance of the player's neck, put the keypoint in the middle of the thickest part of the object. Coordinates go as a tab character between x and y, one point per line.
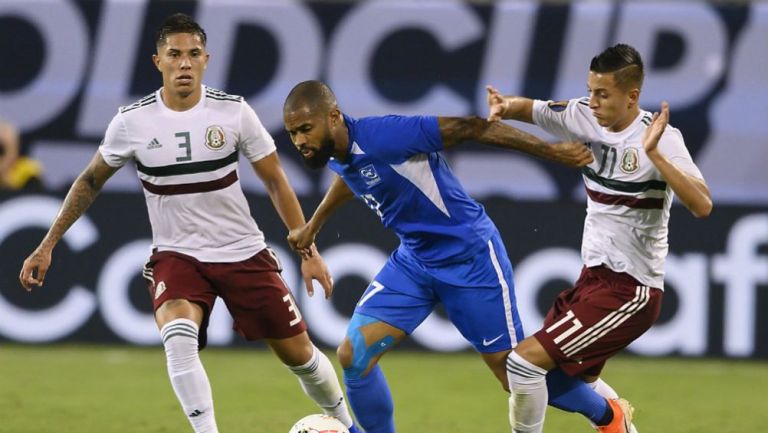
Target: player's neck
180	101
626	121
341	140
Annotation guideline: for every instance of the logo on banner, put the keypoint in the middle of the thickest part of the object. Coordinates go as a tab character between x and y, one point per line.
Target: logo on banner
369	175
214	137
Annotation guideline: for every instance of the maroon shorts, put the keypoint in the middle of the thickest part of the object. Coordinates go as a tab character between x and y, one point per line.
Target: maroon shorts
255	294
603	313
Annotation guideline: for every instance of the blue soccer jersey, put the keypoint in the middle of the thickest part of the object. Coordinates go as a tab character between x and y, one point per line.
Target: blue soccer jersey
394	165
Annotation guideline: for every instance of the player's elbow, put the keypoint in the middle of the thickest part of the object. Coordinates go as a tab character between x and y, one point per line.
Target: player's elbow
702	209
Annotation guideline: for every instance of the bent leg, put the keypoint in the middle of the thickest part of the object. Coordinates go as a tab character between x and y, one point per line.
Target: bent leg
366	341
315	373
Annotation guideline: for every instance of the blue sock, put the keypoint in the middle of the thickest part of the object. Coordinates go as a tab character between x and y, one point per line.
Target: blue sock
574	395
371	401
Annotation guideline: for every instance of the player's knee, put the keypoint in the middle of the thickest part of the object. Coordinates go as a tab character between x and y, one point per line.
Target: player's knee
344	354
532	351
173	309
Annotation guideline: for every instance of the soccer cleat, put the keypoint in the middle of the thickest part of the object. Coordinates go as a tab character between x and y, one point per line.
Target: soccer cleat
354	429
622	417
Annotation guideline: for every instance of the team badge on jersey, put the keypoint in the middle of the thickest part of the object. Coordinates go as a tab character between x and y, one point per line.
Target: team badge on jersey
369	175
630	161
214	137
557	106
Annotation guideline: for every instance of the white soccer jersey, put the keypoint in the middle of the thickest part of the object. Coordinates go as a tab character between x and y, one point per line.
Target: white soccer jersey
628	200
187	162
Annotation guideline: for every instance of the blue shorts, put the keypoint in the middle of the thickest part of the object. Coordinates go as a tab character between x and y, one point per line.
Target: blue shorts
478	296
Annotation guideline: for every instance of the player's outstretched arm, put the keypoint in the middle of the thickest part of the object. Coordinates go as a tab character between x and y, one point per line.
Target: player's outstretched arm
508	107
691	191
338	193
80	196
313	267
455	130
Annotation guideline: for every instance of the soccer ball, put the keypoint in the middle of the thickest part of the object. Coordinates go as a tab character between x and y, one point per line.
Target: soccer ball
318	424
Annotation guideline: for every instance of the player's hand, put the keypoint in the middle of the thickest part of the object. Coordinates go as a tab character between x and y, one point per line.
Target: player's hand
313	268
34	268
497	104
301	238
573	154
656	128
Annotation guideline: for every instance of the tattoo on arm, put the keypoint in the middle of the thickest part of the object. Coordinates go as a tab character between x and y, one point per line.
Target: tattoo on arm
455	130
80	196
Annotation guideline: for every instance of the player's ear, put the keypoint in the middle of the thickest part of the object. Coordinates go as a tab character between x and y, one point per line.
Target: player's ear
156	61
634	97
335	116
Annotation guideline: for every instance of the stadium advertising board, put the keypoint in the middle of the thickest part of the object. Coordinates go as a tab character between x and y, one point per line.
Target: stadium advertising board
717	275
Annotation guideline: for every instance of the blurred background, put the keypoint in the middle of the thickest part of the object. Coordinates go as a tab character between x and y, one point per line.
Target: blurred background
68	65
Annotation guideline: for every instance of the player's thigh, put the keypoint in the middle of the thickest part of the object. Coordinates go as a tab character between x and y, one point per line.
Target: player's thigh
178	289
257	297
394	304
400	295
480	301
601	316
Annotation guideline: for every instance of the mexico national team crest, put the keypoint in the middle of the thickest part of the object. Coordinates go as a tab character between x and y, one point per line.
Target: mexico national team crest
214	137
369	175
630	160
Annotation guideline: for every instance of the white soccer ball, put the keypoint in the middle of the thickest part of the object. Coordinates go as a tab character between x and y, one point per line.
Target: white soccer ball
318	424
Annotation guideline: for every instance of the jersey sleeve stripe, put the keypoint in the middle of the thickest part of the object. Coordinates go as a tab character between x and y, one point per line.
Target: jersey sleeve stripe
624	186
624	200
190	168
191	188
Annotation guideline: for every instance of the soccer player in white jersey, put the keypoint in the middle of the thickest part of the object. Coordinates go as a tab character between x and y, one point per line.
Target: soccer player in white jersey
185	140
639	164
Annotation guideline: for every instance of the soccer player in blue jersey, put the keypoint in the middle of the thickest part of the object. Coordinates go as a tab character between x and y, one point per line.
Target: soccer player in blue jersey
450	250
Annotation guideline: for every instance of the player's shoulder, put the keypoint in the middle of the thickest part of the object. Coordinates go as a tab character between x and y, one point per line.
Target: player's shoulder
146	101
670	132
579	104
222	96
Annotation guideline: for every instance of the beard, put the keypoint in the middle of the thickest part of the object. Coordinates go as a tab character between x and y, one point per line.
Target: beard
321	157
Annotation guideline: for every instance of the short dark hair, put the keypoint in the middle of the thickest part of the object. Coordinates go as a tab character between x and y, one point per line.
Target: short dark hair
313	93
179	23
624	62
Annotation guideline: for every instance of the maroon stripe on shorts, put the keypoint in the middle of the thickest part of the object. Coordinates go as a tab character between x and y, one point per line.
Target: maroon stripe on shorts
624	200
191	188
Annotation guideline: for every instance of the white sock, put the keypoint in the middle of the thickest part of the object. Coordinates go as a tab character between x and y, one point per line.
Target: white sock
319	381
603	389
187	374
528	399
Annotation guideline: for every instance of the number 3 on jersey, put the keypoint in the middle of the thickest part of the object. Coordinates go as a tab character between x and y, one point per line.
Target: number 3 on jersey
186	145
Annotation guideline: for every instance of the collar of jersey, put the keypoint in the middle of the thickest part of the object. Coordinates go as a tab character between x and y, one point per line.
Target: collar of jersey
164	108
629	130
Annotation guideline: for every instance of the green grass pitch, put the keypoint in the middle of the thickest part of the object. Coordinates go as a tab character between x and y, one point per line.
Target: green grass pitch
62	389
